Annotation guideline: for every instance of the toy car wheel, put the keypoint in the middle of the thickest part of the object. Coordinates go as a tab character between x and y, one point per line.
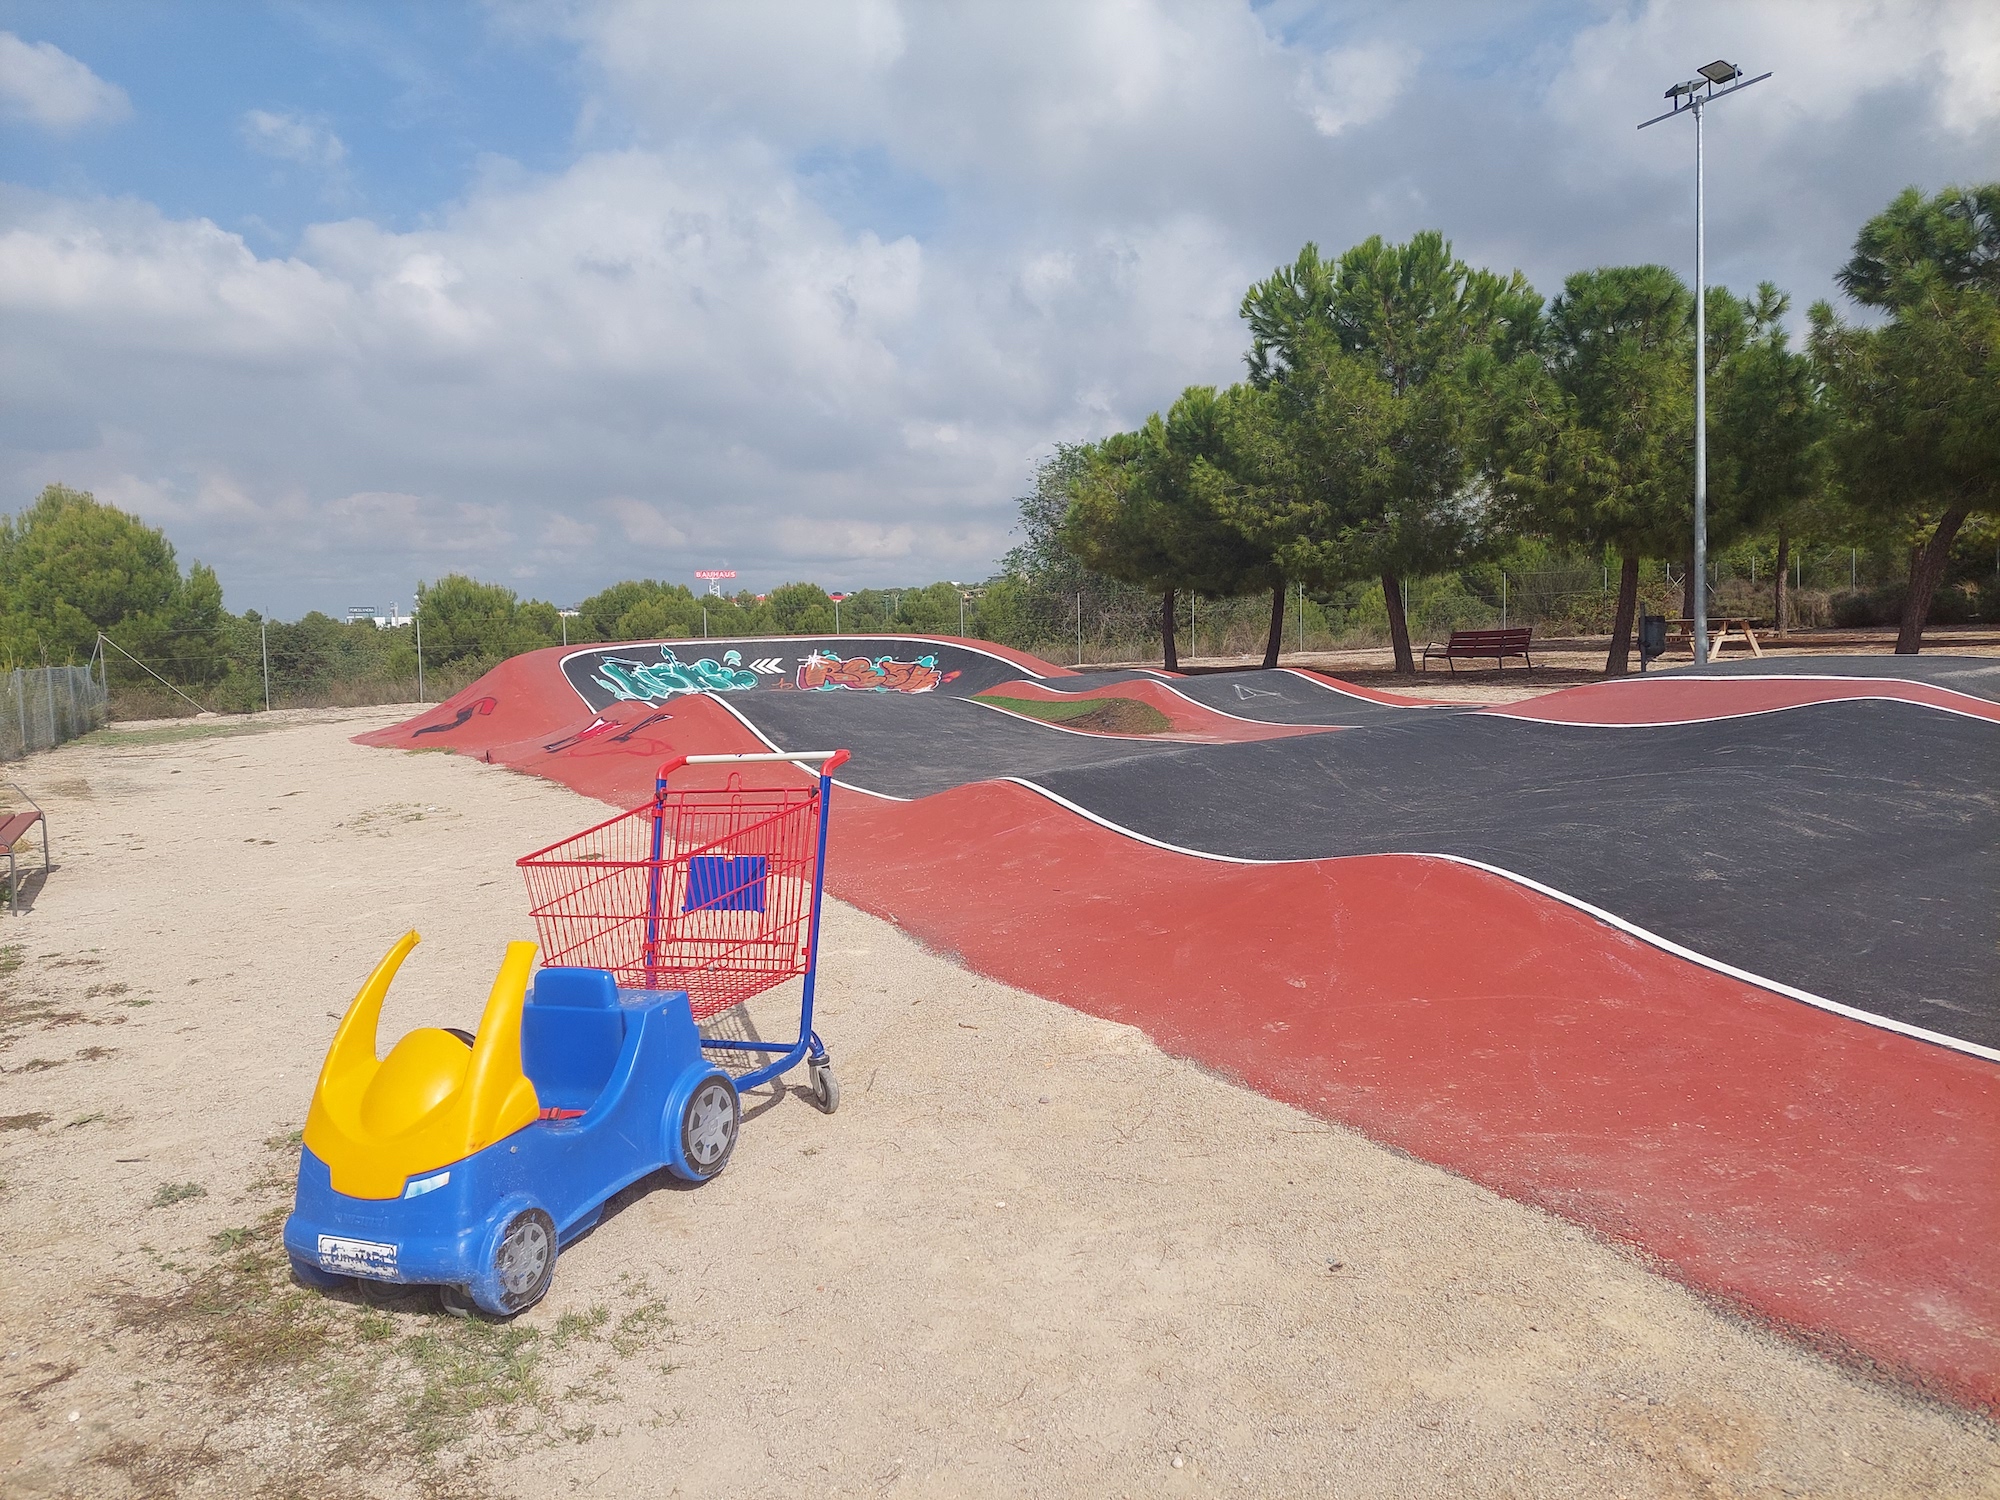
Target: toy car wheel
305	1273
708	1127
457	1301
524	1262
825	1087
386	1296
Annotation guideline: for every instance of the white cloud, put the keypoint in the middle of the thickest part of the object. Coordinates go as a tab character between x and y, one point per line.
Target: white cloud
679	350
41	84
1354	86
292	138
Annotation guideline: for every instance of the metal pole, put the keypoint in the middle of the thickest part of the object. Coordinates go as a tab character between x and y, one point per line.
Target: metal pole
264	638
1700	405
836	616
1302	617
1079	627
961	614
1854	569
1503	598
417	620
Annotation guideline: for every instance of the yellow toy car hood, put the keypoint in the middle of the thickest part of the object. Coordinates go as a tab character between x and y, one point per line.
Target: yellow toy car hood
432	1101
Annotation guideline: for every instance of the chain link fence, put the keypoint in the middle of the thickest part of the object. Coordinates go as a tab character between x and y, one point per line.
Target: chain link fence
40	709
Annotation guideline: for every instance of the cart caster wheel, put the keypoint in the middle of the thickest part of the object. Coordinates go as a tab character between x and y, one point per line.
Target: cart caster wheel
524	1263
825	1087
457	1301
708	1128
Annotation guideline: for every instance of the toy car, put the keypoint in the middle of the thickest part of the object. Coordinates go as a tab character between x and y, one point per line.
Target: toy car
467	1162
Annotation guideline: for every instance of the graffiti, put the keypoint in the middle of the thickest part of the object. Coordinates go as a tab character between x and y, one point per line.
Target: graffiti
826	673
482	707
669	677
603	729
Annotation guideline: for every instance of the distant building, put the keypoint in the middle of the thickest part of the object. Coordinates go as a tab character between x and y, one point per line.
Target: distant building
391	621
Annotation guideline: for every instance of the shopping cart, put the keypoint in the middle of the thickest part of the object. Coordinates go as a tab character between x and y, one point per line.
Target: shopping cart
715	891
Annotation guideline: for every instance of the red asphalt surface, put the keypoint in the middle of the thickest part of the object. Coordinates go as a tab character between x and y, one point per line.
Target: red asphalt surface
1818	1174
1683	700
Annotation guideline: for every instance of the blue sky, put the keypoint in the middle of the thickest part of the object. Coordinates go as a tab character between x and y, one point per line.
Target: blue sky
557	292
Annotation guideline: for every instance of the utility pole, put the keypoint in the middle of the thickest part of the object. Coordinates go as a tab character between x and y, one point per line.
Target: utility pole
417	620
264	641
1692	97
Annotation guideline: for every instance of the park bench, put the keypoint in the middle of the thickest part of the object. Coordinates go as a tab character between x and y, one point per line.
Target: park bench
1467	644
13	828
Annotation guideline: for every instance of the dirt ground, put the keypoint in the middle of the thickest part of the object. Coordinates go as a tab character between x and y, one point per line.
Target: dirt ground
1031	1255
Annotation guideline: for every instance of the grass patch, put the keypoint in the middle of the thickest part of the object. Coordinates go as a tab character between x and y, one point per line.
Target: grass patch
368	1390
1104	715
170	1193
173	734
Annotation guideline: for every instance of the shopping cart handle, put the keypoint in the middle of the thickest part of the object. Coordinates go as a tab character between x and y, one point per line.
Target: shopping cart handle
834	759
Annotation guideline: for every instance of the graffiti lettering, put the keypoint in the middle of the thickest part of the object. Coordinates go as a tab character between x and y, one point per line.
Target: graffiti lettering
826	673
670	677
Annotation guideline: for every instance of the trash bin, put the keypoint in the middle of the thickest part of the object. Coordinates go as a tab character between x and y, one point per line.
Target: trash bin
1652	638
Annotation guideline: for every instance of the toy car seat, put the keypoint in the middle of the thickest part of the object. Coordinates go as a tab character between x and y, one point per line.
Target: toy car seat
572	1031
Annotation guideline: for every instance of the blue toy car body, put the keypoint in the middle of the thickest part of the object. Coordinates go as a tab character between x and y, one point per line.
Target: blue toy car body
624	1090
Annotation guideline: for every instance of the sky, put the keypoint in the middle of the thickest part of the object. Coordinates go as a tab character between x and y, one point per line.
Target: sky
345	296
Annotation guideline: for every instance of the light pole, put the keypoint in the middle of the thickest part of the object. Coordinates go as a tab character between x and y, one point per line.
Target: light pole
1717	80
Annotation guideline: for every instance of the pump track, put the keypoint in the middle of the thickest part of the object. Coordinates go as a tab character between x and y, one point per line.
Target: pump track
1707	960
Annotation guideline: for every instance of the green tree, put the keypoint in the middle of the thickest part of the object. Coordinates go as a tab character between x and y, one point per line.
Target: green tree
71	567
1395	346
638	610
461	619
1145	511
1768	424
1916	400
1593	445
933	610
801	609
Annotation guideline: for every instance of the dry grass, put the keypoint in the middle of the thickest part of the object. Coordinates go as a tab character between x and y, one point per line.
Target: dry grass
402	1391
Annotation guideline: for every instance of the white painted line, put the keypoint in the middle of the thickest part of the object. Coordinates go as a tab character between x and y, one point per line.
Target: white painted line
1508	711
1631	929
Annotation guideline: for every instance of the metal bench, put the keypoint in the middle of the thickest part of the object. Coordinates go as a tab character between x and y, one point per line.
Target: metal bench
13	828
1496	644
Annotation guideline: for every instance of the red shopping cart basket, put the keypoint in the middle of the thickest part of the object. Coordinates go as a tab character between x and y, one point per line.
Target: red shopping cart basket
715	891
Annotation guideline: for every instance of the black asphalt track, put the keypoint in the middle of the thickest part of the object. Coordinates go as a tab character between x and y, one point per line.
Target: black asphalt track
1850	849
1976	675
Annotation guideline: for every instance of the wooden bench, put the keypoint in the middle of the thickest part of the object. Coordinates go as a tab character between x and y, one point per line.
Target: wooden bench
13	828
1497	644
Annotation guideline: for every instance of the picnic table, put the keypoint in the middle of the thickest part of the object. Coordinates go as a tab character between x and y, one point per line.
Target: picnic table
1720	629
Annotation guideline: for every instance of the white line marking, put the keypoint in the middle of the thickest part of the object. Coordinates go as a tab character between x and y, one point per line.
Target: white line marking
1632	929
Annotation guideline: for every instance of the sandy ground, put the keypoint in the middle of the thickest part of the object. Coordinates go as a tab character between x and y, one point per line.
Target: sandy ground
1031	1255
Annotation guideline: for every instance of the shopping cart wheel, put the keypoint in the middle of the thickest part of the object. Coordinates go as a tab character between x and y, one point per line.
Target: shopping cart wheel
825	1087
708	1128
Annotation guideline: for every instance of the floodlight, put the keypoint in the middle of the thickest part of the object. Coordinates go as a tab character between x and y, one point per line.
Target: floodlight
1692	98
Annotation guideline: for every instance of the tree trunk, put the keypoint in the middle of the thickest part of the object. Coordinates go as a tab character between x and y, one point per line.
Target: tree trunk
1687	588
1619	661
1277	635
1399	624
1168	654
1780	600
1926	569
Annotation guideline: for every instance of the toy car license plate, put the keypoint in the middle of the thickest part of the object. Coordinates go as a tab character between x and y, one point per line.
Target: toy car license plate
357	1258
